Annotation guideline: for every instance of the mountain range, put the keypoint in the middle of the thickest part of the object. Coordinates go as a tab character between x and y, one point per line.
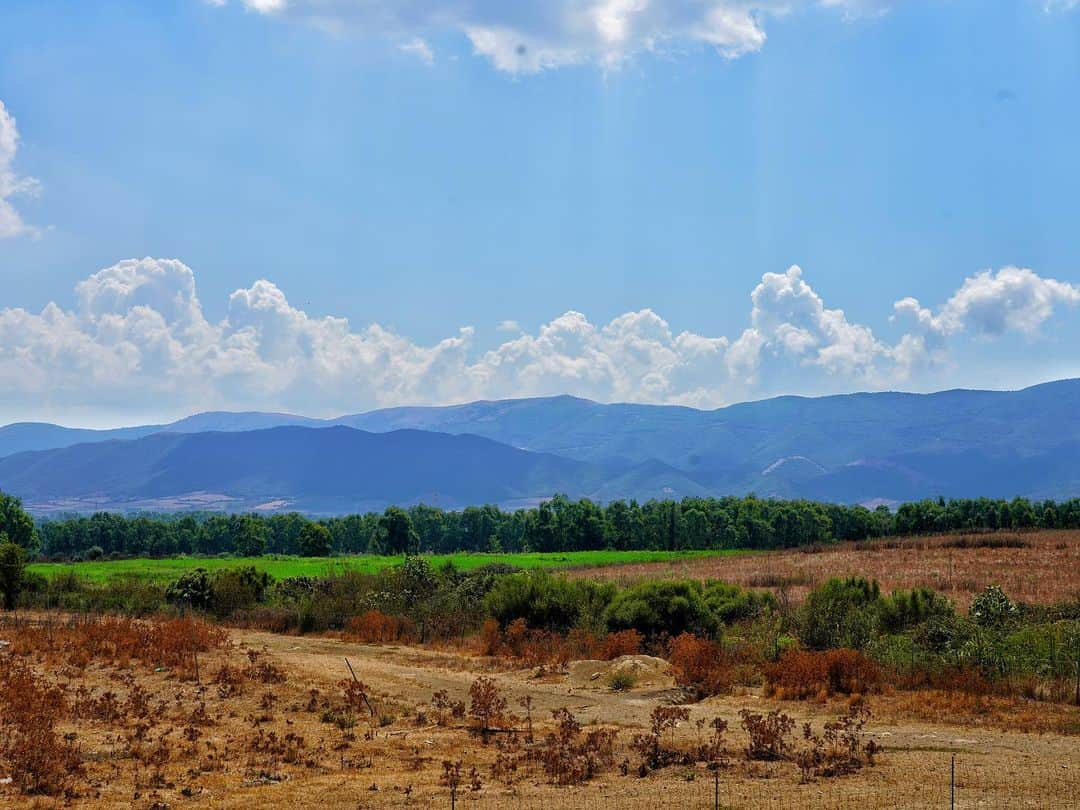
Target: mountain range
869	448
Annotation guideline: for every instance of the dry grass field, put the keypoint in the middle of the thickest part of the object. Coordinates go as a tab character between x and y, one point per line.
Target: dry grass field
187	715
1039	567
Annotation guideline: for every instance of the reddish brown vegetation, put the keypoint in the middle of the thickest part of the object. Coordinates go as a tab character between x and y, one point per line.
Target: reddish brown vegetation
801	674
375	627
532	647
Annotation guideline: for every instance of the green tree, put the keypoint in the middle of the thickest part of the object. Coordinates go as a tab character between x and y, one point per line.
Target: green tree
314	540
12	571
250	539
16	524
400	536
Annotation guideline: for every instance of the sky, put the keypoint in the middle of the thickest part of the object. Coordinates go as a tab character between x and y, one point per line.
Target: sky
328	206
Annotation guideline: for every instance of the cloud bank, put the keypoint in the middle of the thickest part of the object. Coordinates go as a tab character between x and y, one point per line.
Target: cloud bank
11	185
527	36
137	340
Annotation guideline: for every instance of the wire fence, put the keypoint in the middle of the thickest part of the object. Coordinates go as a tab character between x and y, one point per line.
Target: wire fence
977	782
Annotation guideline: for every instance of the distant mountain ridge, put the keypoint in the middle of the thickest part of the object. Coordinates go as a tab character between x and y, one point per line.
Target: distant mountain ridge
331	469
867	447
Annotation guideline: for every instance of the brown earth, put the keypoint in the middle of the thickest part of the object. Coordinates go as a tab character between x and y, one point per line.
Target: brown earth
997	765
1046	569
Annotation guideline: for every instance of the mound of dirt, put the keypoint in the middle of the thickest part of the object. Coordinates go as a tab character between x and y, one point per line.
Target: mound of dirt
647	671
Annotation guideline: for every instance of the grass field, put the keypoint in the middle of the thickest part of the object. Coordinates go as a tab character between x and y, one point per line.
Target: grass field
1039	567
279	567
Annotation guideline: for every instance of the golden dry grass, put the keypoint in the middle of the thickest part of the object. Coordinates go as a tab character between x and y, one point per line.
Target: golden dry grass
227	760
1044	571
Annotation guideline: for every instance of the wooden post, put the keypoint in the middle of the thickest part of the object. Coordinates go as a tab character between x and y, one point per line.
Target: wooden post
952	784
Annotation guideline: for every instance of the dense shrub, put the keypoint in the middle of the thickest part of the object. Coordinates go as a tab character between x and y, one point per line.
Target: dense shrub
191	589
658	608
903	610
234	589
992	609
840	613
547	602
730	603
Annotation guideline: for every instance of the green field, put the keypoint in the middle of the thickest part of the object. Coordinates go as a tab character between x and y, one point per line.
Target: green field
280	567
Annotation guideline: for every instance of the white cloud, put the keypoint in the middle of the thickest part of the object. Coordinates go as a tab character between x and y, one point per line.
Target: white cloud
138	341
11	222
1014	299
527	36
508	326
418	47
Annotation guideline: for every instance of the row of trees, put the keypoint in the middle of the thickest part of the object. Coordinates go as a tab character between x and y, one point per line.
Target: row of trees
556	525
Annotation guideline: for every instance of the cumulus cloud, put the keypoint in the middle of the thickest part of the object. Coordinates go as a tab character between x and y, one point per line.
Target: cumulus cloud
11	184
138	339
1012	299
527	36
988	304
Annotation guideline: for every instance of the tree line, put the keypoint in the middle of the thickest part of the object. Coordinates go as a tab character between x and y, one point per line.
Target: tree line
559	524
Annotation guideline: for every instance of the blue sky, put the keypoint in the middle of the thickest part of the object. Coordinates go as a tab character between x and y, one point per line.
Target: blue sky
423	166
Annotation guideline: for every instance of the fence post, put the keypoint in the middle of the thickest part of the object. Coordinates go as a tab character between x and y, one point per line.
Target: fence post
716	790
952	784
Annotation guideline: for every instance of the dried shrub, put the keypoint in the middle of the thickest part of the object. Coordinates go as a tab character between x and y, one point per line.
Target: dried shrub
801	674
650	748
624	642
700	664
444	709
840	749
769	735
570	757
263	671
375	627
39	761
487	706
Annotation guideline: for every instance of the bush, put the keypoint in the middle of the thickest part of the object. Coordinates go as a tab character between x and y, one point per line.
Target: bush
12	571
730	603
992	609
191	589
661	609
800	674
700	664
840	613
621	680
904	610
547	602
374	627
234	589
625	642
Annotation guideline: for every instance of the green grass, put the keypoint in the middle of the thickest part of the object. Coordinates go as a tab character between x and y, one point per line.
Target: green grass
280	567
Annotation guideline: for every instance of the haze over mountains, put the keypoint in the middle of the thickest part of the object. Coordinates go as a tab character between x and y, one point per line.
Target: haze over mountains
881	447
